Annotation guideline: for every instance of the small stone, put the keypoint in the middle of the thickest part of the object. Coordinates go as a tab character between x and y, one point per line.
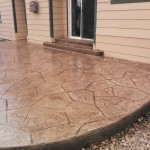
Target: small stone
148	146
95	147
141	140
112	147
113	139
124	144
136	137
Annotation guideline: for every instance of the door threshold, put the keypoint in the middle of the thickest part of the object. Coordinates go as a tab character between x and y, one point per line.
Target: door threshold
82	39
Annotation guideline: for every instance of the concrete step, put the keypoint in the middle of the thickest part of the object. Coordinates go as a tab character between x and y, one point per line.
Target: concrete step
71	48
74	41
1	40
75	46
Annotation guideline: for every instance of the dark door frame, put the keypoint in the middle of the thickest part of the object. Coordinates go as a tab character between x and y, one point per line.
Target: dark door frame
51	18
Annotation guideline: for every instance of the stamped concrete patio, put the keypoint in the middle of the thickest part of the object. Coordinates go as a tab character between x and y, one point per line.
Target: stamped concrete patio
51	99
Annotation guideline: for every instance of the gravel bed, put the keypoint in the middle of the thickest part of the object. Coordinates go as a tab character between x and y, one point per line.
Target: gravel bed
135	137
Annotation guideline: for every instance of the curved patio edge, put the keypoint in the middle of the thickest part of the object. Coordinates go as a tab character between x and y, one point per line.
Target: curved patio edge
78	142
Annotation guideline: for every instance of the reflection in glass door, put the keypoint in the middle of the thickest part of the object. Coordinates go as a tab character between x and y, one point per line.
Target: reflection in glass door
88	19
81	19
76	18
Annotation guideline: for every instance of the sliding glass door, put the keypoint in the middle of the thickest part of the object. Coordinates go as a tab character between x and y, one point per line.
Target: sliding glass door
81	20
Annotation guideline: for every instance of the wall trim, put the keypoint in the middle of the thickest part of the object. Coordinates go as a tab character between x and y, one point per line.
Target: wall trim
25	15
95	21
67	17
14	16
51	18
128	1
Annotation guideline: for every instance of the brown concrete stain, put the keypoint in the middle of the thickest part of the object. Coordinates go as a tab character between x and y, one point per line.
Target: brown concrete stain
51	95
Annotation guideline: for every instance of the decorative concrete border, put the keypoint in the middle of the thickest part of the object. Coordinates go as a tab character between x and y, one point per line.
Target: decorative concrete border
78	142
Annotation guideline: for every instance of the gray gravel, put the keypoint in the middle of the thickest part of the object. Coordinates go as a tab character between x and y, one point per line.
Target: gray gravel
136	137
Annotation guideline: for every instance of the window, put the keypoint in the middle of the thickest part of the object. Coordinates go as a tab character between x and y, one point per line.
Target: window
127	1
0	18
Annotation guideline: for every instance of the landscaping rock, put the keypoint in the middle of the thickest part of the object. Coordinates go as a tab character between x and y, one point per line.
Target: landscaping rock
136	137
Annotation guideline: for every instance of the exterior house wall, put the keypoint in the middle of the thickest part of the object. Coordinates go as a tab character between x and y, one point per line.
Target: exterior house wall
123	30
65	21
38	24
60	18
7	25
7	29
21	20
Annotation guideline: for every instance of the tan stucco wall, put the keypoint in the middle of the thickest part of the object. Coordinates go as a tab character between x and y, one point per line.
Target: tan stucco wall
123	30
38	24
60	18
7	25
21	20
7	30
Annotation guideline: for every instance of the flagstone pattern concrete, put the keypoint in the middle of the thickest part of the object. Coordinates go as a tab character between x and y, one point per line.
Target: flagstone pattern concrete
51	95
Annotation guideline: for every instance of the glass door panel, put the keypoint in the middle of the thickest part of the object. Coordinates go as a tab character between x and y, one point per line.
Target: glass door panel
82	19
88	7
76	18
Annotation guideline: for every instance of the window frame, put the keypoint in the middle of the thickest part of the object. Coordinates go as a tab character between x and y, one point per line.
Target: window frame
128	1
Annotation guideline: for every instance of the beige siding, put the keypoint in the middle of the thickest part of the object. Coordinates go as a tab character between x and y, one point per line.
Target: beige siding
60	18
21	20
123	30
38	24
7	25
